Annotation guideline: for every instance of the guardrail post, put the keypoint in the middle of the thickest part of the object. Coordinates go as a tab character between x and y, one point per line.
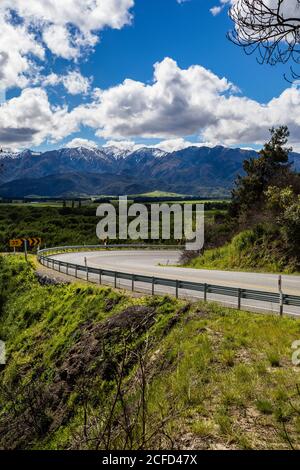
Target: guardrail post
132	282
239	298
281	303
59	266
115	281
100	276
87	273
76	271
281	297
53	264
153	286
177	289
205	292
67	270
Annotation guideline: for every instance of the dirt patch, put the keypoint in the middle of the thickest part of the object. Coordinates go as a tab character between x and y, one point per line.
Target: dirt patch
97	344
95	354
46	280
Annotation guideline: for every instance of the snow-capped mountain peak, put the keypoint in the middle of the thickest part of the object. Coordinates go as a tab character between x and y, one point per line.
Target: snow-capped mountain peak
116	170
116	152
9	154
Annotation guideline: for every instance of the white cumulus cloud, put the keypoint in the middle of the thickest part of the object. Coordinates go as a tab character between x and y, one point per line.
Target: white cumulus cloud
183	102
65	28
30	119
287	8
173	145
177	104
78	142
73	81
123	145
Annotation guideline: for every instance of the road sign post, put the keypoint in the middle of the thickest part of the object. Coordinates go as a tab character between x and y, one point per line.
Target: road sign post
25	250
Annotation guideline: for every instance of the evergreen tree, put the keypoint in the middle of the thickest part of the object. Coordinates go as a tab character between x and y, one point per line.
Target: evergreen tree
271	169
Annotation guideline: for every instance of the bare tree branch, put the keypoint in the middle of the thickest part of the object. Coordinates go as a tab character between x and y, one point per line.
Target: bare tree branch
268	28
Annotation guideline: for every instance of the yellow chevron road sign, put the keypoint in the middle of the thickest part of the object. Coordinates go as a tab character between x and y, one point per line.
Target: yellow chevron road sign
17	243
35	241
20	242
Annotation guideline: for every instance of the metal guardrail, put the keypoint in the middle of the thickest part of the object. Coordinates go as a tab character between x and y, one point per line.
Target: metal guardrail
238	293
70	248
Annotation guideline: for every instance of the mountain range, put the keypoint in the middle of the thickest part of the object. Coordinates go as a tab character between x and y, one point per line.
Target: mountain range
70	172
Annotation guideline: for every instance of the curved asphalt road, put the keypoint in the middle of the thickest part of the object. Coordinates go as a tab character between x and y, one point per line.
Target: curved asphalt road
146	262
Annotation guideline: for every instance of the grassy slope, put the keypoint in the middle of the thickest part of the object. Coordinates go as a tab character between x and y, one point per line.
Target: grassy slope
246	252
217	378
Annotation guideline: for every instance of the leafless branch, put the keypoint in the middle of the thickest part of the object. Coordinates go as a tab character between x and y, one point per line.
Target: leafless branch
271	32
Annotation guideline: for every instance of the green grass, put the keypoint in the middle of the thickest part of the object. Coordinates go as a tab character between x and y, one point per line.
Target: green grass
218	378
224	371
36	204
160	194
246	252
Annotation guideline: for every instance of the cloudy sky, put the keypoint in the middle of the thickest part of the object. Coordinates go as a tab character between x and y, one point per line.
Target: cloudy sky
134	72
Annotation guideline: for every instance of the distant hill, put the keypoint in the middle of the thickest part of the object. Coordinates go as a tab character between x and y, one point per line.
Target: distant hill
201	171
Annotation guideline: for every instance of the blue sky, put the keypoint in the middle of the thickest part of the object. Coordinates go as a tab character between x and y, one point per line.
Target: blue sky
189	34
94	83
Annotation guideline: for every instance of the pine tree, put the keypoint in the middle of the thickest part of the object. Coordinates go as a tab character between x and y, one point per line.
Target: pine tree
270	169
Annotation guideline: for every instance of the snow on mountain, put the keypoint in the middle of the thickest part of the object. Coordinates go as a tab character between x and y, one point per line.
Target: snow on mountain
115	170
8	154
76	153
159	153
116	152
110	152
88	154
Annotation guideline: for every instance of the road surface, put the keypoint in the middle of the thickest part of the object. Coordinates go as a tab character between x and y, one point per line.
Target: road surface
161	264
